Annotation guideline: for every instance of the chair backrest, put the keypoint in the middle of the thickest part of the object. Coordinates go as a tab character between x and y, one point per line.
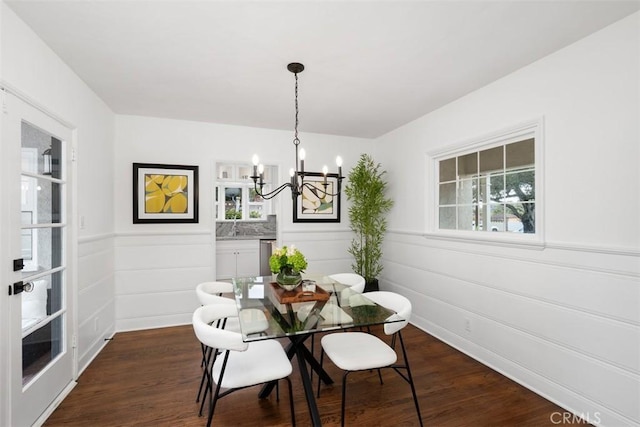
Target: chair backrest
396	302
208	293
214	337
355	281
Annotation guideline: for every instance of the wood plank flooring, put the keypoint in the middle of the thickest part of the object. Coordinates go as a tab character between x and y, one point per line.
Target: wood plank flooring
151	378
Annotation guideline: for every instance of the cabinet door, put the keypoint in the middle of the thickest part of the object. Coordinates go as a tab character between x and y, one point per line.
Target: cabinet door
225	263
237	258
248	262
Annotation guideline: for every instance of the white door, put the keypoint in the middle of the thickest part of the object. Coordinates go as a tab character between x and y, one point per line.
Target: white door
35	255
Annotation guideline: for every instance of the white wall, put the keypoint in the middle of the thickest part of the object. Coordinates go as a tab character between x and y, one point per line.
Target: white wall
32	70
158	265
564	320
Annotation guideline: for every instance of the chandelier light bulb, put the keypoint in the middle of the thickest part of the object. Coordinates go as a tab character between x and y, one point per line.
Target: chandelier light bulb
339	161
255	159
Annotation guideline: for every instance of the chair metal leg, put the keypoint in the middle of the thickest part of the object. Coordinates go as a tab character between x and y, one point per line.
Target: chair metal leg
214	397
344	396
413	388
213	353
206	354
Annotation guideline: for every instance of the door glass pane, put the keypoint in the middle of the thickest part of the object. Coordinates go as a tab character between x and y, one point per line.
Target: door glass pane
40	347
41	202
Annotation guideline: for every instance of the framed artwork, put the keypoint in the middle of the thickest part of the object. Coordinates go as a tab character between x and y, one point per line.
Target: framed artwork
164	193
313	205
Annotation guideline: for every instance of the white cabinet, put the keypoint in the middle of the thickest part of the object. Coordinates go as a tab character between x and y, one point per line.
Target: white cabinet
237	258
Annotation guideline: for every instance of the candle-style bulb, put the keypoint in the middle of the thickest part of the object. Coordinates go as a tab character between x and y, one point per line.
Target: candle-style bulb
291	172
325	170
339	161
302	154
255	160
260	168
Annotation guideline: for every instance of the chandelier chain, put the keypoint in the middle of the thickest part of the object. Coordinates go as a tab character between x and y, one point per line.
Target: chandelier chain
296	140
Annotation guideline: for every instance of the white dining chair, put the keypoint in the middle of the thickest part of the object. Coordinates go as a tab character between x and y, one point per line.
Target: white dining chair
239	364
205	290
355	281
359	351
255	322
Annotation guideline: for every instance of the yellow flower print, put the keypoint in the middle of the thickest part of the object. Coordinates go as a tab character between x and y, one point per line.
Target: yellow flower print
176	204
166	193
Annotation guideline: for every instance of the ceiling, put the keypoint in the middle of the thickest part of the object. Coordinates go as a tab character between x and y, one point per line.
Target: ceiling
371	66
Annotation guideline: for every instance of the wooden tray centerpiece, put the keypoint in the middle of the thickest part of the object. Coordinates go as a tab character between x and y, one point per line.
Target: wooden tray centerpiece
298	294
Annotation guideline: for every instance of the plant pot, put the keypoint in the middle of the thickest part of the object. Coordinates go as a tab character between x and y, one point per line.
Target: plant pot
289	279
371	285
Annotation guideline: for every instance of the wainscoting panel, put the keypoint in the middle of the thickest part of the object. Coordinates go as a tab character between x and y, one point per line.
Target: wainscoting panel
96	312
325	250
563	321
156	276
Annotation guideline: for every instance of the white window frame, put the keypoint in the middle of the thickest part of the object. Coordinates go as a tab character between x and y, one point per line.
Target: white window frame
530	129
246	185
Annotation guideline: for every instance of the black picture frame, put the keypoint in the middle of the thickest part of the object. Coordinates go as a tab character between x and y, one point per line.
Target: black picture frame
315	206
171	187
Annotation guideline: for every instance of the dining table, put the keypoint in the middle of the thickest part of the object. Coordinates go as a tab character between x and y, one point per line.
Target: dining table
318	304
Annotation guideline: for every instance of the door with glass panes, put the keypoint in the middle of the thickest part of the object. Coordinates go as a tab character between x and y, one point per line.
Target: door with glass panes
35	259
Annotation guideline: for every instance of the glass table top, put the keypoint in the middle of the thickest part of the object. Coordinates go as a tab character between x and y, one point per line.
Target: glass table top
266	311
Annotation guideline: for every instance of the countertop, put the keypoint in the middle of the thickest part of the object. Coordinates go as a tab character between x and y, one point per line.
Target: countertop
248	237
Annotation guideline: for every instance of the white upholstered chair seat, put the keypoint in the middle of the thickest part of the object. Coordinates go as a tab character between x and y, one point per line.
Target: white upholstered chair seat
356	351
247	368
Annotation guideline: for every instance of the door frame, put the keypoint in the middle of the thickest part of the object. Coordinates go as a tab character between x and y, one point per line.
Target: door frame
6	417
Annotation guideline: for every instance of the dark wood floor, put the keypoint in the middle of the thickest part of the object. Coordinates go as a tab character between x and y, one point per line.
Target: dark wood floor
150	378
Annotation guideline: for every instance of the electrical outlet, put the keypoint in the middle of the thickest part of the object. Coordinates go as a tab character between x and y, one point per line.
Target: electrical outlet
467	324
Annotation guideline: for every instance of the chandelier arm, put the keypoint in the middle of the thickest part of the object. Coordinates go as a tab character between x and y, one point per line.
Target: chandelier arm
315	188
270	194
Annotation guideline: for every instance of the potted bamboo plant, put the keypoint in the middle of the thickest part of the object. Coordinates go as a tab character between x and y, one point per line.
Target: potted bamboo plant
367	216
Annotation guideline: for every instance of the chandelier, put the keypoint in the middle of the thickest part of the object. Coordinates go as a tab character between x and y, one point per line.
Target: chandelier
297	182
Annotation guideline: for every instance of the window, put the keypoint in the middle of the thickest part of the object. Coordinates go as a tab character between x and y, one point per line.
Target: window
489	185
235	197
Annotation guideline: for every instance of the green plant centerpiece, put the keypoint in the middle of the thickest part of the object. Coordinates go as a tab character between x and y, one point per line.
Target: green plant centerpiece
288	263
367	216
